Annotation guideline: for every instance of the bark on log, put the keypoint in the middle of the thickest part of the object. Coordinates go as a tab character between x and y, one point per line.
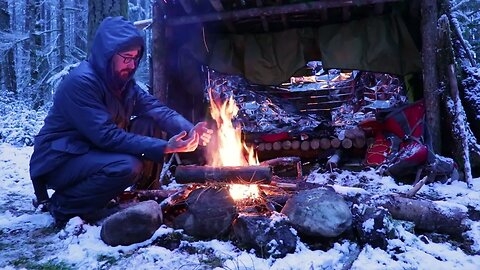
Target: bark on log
229	174
427	215
454	107
432	216
430	80
460	125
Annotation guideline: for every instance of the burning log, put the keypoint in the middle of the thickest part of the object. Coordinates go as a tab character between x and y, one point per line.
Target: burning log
230	174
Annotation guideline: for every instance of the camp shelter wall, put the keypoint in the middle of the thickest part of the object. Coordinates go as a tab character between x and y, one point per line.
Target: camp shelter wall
267	41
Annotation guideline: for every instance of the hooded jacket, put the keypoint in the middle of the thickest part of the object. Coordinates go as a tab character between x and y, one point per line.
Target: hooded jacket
86	113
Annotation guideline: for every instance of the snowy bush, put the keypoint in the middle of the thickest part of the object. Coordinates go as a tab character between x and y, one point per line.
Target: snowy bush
19	123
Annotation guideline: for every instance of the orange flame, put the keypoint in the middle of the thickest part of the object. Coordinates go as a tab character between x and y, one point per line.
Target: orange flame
229	149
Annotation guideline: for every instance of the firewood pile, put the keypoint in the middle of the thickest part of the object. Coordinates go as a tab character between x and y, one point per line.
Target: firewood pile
311	116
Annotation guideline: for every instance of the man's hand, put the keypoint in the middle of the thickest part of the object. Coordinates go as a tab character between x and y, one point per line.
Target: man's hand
178	144
204	133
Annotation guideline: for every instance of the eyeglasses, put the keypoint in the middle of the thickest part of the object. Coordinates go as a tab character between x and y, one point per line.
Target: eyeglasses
128	59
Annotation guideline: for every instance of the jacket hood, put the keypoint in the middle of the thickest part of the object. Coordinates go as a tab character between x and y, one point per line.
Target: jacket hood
113	35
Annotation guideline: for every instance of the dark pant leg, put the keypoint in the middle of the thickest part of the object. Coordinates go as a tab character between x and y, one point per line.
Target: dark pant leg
88	182
145	125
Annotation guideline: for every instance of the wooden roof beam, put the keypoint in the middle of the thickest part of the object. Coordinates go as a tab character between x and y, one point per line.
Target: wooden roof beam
264	19
186	6
282	16
269	11
217	5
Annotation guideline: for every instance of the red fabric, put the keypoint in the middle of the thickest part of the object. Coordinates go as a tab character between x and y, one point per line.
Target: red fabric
377	152
275	137
407	121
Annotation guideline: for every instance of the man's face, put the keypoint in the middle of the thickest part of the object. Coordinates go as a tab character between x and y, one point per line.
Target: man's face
125	62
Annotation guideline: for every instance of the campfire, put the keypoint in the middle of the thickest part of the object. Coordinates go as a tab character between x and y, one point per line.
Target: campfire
227	151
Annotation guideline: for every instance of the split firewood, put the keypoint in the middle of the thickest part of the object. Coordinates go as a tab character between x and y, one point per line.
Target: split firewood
325	143
347	143
350	133
295	145
335	142
268	146
305	145
359	142
277	146
286	145
229	174
315	144
261	147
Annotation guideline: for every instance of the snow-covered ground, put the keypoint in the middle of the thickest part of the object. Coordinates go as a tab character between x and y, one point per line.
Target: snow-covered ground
29	240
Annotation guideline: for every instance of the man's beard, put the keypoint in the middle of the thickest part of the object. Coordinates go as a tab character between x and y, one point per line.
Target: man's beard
120	78
125	74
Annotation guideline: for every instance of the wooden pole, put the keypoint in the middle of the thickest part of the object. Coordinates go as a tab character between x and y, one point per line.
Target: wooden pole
229	174
159	83
430	79
269	11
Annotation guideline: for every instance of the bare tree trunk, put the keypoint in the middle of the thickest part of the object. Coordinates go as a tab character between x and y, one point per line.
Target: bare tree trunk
454	107
99	10
430	81
80	32
61	35
7	72
159	83
32	26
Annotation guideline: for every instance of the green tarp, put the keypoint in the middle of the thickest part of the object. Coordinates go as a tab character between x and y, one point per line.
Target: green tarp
379	44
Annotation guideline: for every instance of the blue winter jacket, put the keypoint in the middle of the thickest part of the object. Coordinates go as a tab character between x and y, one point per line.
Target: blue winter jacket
86	114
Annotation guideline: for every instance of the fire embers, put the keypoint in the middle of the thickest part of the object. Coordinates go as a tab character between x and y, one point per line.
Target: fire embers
211	212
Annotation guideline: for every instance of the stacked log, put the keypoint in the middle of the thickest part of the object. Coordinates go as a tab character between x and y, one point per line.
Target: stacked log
313	144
